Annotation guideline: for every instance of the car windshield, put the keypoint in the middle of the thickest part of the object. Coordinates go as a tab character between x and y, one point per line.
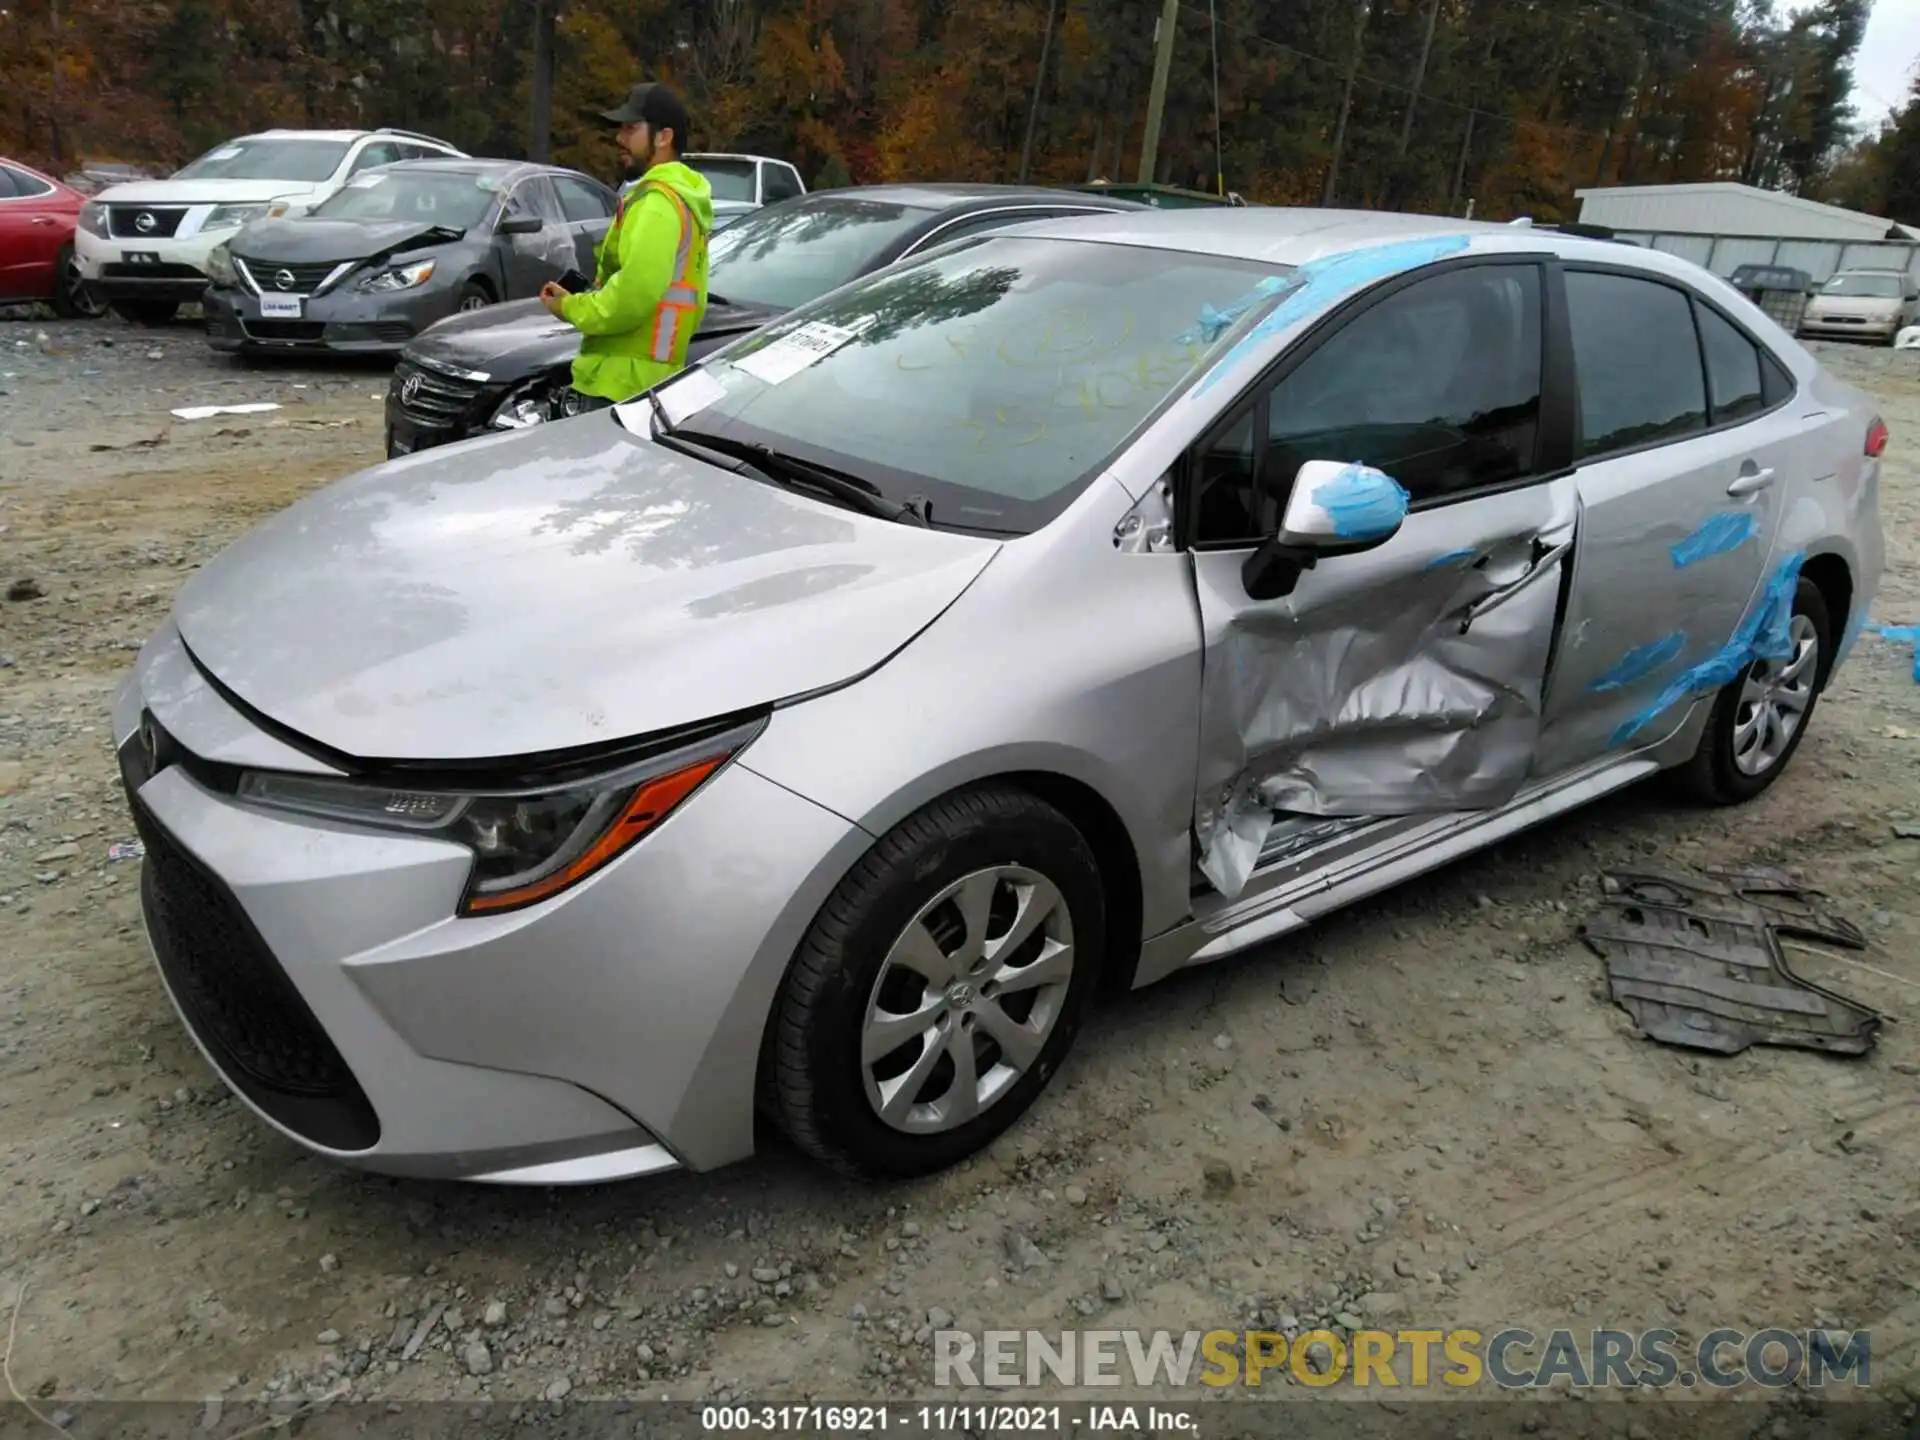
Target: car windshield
1866	287
788	255
993	380
303	160
458	199
730	179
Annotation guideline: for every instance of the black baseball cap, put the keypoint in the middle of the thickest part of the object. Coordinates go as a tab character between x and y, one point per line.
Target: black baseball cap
655	105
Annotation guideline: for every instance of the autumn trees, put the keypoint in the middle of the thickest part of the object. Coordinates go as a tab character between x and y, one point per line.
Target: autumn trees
1419	104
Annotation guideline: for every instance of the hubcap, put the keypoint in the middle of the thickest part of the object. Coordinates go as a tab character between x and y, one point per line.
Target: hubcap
967	999
1774	701
474	302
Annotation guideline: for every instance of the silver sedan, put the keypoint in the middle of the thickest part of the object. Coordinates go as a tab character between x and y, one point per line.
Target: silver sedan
815	735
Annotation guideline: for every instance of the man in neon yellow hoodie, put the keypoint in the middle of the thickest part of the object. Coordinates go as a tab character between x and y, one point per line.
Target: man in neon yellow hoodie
650	291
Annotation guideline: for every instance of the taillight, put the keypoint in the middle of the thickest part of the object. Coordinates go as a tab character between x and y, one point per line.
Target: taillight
1877	437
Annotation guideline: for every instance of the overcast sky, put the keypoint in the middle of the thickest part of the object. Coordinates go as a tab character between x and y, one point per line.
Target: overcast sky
1884	68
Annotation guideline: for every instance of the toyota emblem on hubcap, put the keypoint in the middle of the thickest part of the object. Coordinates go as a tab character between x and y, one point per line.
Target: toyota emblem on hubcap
409	388
283	280
144	222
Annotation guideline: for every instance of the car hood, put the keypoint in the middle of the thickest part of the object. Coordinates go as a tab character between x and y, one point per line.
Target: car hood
567	585
203	192
520	338
315	241
1868	307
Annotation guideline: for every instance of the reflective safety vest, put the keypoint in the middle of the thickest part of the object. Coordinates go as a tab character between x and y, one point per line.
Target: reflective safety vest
678	307
651	288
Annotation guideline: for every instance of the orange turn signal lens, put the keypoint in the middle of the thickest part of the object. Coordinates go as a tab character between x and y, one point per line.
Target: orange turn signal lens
651	802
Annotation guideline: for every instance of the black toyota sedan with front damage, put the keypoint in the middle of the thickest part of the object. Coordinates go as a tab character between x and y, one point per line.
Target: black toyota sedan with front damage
509	367
400	247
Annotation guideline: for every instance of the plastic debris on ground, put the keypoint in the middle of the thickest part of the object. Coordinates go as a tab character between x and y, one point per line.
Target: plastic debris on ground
1697	961
203	412
126	850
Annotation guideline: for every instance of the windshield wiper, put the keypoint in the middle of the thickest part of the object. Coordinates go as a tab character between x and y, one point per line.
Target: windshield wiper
793	472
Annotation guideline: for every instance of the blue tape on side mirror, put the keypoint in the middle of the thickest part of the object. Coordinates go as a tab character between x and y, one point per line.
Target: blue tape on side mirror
1363	503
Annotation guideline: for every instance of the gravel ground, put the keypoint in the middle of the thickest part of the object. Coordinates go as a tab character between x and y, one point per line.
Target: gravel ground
1420	1113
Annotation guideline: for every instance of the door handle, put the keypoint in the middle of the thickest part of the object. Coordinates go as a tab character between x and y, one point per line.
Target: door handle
1485	603
42	220
1751	482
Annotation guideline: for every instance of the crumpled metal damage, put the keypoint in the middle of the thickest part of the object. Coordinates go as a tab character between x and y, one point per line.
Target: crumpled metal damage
1361	694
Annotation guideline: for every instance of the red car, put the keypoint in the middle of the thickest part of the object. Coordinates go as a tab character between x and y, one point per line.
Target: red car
37	218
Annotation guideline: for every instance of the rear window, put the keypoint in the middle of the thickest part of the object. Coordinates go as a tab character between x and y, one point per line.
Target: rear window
786	257
730	179
301	160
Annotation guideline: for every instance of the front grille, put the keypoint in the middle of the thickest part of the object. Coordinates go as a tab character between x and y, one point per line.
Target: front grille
272	276
123	221
437	400
163	270
291	330
236	998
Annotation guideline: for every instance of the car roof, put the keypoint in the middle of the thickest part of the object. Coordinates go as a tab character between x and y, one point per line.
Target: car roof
941	196
478	165
1291	236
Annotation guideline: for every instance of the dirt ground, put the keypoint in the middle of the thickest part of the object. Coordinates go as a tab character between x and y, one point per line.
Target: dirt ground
1423	1112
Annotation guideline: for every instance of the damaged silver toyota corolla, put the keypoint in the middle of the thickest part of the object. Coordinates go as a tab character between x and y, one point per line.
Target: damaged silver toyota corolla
813	736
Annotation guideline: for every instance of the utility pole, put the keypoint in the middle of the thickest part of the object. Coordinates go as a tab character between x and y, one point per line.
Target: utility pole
539	131
1332	181
1157	97
1039	84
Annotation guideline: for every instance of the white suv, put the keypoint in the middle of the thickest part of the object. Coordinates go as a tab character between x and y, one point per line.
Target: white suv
145	244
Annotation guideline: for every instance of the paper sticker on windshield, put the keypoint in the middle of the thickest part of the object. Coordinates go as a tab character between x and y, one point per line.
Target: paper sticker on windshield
689	393
225	152
366	181
794	352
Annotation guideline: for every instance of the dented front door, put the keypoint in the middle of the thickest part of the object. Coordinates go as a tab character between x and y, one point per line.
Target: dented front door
1402	681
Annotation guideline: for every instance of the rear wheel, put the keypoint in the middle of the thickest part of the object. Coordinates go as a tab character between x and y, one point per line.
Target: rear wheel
74	296
146	312
1759	720
940	986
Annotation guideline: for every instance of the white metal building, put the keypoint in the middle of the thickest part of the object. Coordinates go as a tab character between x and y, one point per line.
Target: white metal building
1721	225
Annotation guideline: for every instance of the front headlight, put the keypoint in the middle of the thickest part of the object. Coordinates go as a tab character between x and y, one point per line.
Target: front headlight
220	267
528	844
230	217
534	403
93	219
404	277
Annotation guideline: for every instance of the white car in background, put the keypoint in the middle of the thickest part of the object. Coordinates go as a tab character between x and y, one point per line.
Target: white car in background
741	183
145	244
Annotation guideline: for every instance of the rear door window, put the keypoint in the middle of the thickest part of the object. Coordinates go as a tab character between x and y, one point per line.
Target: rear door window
1734	386
1637	356
581	201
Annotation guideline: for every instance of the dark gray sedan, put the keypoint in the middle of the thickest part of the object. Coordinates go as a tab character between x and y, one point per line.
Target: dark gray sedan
400	247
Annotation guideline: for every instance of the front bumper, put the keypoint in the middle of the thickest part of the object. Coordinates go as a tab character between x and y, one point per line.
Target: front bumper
1841	327
613	1031
168	268
340	322
431	404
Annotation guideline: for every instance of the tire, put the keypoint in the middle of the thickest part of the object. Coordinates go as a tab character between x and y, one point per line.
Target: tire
1725	769
473	296
828	1089
146	312
73	298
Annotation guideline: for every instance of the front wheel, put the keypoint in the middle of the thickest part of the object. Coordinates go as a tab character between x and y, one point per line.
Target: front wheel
940	986
74	297
1759	720
474	296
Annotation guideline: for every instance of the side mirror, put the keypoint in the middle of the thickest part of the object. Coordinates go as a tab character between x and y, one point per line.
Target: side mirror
520	225
1334	509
